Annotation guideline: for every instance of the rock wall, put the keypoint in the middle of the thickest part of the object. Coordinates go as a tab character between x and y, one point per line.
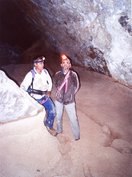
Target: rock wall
92	33
95	34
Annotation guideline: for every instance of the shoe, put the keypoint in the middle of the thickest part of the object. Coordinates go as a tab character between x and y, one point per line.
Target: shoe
77	139
45	123
52	131
59	132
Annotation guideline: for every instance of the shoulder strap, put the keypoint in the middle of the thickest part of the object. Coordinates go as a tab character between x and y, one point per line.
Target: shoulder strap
46	72
33	75
65	81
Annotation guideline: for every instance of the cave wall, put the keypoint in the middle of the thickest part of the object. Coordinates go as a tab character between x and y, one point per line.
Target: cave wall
95	34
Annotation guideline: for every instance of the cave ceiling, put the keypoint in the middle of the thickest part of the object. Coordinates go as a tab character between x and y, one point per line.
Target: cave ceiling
91	32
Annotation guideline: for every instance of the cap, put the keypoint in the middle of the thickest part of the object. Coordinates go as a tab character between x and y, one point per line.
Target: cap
39	59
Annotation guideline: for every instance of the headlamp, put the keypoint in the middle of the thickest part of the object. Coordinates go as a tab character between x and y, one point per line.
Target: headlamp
63	56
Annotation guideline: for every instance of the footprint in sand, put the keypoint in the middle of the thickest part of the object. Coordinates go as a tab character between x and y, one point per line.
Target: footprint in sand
64	144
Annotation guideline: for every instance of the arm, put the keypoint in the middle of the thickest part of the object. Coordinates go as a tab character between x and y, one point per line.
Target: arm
77	84
55	80
26	81
49	81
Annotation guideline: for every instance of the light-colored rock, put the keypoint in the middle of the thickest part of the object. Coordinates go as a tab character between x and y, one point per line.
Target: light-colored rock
119	57
15	103
27	149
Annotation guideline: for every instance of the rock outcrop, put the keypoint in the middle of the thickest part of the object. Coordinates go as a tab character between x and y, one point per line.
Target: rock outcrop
15	103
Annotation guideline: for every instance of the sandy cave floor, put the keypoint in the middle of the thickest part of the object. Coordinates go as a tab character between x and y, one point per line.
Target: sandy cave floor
104	109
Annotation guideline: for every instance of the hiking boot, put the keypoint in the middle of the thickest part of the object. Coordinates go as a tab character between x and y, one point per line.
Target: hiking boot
52	131
76	139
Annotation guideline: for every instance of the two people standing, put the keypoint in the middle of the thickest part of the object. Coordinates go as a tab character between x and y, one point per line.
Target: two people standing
67	84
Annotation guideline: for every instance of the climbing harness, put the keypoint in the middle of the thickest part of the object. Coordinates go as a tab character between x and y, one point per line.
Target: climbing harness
31	90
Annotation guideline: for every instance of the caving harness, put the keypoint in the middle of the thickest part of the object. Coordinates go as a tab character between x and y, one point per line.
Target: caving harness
31	90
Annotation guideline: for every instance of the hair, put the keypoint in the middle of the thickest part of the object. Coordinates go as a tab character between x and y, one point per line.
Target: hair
65	57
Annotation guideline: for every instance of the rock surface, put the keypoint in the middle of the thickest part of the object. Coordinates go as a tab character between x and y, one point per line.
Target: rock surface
15	103
104	150
96	34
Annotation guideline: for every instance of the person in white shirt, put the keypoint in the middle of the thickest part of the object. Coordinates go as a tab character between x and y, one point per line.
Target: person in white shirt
38	84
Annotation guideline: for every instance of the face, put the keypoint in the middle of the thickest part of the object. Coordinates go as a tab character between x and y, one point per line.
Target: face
39	66
66	64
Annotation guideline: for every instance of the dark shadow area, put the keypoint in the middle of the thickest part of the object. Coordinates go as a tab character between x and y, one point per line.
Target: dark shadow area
14	28
16	33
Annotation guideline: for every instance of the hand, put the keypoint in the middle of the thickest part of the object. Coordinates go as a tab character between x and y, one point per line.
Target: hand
49	93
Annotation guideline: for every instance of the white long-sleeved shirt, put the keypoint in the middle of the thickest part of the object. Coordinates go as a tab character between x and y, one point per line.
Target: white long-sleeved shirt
42	81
